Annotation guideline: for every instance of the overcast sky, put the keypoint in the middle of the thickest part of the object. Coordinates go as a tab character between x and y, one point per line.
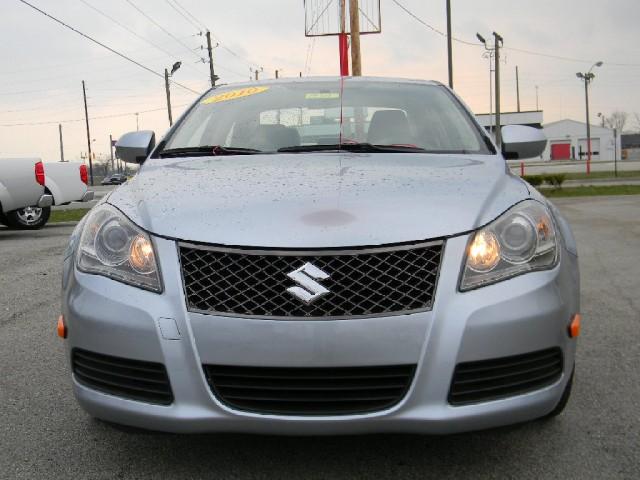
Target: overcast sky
44	63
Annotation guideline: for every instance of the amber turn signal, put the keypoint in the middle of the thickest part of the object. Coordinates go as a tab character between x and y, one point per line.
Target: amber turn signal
61	328
574	326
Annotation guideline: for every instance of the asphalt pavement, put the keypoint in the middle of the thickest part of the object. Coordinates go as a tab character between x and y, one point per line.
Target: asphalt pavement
44	434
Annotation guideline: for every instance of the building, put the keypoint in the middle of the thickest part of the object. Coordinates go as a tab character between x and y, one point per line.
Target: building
530	118
567	140
630	143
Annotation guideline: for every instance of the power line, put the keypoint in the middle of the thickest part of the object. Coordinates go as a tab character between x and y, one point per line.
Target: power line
183	15
93	59
187	47
136	34
202	25
431	27
99	117
513	49
569	59
129	59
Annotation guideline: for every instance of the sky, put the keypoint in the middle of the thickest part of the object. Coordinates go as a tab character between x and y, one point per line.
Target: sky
43	63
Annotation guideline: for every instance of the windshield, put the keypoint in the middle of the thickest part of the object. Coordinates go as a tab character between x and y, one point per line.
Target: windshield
302	115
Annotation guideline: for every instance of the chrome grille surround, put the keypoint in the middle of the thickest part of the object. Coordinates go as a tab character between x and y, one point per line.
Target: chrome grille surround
367	282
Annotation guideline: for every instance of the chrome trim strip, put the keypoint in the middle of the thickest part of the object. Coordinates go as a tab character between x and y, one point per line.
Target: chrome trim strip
312	252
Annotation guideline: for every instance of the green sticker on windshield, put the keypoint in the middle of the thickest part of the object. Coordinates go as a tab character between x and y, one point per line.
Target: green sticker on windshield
321	95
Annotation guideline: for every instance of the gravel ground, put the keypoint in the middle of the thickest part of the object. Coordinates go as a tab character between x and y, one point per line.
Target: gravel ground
44	434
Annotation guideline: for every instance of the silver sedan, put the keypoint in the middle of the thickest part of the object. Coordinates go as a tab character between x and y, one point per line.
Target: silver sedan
323	256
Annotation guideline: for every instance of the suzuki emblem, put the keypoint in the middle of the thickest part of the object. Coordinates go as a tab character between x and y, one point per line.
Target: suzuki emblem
308	290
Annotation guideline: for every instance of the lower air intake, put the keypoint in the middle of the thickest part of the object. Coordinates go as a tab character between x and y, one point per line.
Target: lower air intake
132	379
485	380
310	391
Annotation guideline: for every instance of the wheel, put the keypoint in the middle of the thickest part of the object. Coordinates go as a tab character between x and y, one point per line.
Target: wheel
28	218
563	400
3	220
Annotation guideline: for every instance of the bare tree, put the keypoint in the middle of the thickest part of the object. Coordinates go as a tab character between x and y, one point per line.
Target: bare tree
617	120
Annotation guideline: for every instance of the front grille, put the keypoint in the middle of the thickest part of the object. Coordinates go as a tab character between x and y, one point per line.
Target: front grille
133	379
309	391
371	282
486	380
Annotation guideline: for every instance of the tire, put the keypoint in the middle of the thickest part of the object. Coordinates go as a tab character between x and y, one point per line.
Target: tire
563	400
28	218
3	220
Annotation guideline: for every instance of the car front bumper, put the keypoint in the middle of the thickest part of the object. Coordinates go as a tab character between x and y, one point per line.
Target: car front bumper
527	313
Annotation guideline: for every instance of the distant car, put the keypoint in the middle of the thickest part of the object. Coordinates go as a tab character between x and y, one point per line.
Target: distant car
383	273
115	179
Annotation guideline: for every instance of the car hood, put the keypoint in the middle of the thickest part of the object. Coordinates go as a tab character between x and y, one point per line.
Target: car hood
318	199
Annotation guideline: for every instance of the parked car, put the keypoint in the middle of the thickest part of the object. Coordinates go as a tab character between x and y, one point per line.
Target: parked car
64	182
251	278
115	179
22	188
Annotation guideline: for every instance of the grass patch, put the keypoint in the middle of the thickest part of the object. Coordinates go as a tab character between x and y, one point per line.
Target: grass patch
595	175
73	215
591	191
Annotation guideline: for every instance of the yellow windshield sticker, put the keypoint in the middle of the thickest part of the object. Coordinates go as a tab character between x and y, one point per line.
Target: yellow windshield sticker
321	95
233	94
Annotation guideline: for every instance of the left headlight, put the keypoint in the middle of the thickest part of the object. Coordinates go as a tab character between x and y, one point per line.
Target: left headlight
521	240
111	245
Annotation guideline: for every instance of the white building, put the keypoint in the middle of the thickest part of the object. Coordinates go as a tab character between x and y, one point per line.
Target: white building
530	118
567	140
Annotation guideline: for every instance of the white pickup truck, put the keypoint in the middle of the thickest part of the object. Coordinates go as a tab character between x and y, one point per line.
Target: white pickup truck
28	189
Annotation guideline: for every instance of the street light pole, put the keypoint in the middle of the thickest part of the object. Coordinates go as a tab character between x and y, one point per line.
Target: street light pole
497	43
586	101
168	92
587	78
174	68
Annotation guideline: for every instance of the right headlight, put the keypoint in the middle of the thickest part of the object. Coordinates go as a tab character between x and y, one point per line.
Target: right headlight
113	246
521	240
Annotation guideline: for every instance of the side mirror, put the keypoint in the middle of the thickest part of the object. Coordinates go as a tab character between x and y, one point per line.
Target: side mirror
135	147
519	141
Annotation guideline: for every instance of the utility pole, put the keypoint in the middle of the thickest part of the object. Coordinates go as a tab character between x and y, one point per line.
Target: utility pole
111	152
537	104
497	44
61	145
343	42
276	74
354	14
615	150
256	74
210	48
137	123
517	88
86	117
449	46
166	86
587	77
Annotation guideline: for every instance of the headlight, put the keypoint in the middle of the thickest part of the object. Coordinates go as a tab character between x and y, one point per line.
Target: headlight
521	240
111	245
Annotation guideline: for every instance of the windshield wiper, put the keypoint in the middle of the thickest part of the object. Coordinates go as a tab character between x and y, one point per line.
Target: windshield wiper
354	147
207	150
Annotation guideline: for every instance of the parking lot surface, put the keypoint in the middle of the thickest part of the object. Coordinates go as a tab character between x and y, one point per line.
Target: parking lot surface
44	434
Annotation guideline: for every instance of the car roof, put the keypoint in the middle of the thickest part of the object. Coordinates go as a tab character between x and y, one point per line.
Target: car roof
334	78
